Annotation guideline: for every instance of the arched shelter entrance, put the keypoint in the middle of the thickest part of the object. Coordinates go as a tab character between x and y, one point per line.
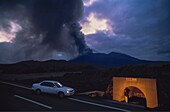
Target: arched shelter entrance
141	91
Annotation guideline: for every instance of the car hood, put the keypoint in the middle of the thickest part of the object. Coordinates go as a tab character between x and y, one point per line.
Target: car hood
67	88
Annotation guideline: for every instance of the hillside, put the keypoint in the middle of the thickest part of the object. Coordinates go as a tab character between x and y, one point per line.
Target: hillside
112	59
85	62
41	67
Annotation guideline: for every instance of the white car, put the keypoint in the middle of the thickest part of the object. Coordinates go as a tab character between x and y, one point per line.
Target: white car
52	87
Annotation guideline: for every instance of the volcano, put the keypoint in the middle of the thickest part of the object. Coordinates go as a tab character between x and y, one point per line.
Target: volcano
112	59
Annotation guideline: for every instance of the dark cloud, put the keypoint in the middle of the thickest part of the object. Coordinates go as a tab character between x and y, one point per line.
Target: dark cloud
46	29
142	27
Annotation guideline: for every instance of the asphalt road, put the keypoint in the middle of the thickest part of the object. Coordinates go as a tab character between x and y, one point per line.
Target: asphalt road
14	98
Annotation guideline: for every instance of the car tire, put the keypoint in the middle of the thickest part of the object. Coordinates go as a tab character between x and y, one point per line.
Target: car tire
61	95
38	91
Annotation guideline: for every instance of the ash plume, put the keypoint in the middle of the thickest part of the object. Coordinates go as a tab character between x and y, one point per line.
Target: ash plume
42	29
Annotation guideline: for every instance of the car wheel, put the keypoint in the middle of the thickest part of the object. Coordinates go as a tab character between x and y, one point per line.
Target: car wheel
60	94
38	91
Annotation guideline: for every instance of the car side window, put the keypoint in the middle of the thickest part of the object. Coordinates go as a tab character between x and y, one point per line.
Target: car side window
56	84
48	84
44	84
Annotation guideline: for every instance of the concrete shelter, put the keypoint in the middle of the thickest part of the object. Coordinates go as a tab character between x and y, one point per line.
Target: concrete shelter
140	91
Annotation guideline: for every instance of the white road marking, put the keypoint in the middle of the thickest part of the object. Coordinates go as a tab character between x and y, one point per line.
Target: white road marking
17	96
100	105
16	85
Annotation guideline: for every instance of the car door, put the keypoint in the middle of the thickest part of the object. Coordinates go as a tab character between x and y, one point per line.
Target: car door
44	86
52	88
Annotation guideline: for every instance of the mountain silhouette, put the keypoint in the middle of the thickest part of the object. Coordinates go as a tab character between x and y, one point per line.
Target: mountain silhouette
112	59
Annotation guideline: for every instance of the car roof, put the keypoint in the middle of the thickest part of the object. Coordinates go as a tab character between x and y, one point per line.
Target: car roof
52	81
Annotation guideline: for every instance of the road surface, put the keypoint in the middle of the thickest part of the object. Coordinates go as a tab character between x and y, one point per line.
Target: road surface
20	98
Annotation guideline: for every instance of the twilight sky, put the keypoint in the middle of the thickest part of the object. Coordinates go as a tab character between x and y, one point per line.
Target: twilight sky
42	29
140	28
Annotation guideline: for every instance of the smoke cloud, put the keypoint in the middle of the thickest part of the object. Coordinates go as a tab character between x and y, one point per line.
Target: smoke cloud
41	30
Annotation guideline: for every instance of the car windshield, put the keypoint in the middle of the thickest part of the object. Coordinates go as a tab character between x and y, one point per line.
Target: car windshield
58	84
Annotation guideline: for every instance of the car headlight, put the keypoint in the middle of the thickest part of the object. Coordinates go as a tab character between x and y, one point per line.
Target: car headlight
67	91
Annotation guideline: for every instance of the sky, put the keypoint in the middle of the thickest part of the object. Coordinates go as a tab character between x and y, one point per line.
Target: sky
62	29
140	28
